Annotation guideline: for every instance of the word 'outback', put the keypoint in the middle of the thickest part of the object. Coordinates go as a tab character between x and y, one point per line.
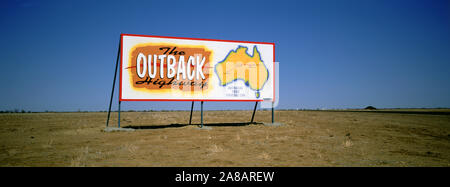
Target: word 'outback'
184	68
166	67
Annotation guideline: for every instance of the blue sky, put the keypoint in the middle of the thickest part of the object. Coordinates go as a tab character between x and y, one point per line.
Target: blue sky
60	55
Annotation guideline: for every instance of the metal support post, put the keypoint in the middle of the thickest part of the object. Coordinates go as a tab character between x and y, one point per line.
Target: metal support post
201	114
254	111
272	114
192	108
118	119
114	83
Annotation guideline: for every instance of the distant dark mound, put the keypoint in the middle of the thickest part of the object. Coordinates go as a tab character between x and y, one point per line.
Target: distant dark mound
370	108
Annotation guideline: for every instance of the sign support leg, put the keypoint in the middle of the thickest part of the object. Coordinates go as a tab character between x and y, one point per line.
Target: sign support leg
114	83
201	114
118	119
272	114
192	108
254	110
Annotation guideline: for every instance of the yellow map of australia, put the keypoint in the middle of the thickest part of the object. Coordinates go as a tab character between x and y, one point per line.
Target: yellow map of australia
239	65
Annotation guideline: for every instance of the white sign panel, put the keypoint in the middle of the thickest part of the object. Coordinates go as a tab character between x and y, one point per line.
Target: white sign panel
155	68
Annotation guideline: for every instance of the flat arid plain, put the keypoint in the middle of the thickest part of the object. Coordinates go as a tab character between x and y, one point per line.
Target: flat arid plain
400	137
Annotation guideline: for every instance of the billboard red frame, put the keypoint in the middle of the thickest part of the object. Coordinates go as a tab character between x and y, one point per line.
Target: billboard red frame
202	39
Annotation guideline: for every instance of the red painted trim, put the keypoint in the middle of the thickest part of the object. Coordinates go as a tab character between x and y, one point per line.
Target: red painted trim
152	36
121	54
219	100
273	67
202	39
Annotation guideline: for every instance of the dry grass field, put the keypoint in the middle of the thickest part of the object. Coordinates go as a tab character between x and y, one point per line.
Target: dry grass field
307	138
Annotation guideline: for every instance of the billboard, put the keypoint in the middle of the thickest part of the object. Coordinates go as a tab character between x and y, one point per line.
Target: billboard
156	68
